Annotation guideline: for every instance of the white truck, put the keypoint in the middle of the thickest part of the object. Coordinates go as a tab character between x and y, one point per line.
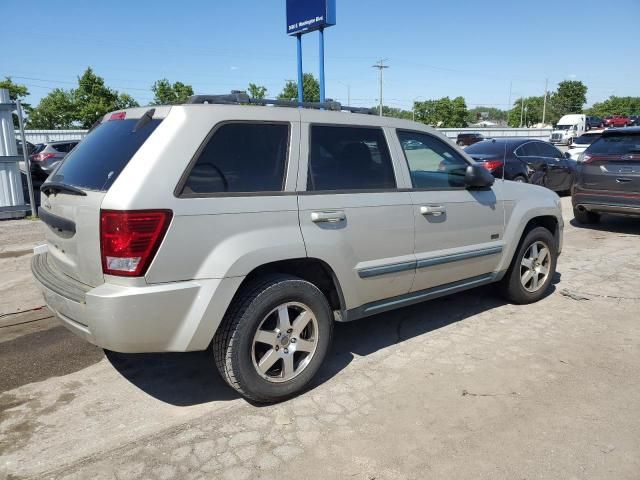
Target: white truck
568	128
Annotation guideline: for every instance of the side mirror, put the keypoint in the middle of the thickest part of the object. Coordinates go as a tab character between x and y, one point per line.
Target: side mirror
476	176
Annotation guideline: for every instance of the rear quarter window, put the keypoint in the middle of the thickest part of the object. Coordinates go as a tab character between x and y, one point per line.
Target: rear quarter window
240	157
96	162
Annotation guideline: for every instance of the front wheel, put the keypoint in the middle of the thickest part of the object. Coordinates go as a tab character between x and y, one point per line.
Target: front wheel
274	337
520	179
532	268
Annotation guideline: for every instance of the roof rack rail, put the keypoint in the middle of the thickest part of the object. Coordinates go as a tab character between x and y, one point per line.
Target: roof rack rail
237	97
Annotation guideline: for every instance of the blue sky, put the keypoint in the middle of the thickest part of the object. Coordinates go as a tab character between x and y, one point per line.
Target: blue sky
469	48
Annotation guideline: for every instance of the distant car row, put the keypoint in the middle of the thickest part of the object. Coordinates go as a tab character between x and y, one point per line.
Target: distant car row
570	127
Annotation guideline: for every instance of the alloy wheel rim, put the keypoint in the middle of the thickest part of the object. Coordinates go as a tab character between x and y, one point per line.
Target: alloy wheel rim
535	266
285	342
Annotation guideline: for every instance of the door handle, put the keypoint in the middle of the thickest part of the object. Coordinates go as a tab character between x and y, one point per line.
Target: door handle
331	217
435	210
623	180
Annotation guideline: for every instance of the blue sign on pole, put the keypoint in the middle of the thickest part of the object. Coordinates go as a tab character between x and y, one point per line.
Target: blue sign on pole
304	16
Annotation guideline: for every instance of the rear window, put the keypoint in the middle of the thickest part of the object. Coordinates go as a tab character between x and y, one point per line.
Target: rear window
96	162
615	145
490	147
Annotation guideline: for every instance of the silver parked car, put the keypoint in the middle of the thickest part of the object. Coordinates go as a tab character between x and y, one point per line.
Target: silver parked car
249	230
46	156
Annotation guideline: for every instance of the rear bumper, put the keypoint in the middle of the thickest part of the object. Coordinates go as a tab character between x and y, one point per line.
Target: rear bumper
607	202
169	317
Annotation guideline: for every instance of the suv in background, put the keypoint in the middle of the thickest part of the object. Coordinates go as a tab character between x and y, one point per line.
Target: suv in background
608	176
612	121
250	230
465	139
48	155
635	120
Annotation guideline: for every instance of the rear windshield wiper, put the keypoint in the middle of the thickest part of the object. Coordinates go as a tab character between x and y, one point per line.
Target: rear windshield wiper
58	187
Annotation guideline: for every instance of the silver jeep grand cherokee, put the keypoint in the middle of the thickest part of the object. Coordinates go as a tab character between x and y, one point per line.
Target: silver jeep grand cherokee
250	229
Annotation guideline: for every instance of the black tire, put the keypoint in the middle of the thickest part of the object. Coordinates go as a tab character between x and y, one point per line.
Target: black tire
585	216
511	286
460	144
520	178
233	341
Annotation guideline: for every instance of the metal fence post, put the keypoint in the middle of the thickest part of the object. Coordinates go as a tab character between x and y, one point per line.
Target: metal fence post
27	162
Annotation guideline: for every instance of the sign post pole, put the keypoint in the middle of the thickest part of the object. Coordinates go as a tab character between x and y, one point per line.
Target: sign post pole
321	54
300	90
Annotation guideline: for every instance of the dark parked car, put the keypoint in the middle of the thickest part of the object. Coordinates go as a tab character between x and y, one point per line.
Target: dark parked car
48	155
469	138
594	122
635	120
608	176
525	160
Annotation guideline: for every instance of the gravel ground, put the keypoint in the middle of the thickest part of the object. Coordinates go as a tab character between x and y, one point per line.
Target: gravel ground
463	387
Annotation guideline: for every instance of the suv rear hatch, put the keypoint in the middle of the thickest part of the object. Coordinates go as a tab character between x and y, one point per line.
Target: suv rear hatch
612	163
73	194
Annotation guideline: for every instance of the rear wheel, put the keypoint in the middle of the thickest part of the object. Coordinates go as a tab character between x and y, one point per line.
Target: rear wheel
460	144
520	179
585	216
532	268
273	338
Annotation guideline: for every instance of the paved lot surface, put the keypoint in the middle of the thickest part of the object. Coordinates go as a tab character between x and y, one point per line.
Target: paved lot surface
465	387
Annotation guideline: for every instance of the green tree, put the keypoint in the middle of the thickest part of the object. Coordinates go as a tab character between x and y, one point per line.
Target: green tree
491	114
93	99
444	112
531	114
394	112
310	89
79	107
569	98
16	92
166	93
258	91
616	106
55	111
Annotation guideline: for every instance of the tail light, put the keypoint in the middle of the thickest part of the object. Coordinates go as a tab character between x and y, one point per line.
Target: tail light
130	239
492	165
41	157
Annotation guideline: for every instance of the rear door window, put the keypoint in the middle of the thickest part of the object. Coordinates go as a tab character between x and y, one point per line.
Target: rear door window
548	150
240	157
349	158
98	160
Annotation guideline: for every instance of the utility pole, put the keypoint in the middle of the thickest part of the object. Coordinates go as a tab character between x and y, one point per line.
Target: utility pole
380	66
544	104
521	110
509	102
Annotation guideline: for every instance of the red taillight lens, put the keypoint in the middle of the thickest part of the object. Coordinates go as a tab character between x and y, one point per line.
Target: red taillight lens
491	165
129	239
118	116
41	157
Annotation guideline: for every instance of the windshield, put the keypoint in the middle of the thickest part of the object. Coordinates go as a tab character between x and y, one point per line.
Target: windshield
586	139
96	162
563	127
615	145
